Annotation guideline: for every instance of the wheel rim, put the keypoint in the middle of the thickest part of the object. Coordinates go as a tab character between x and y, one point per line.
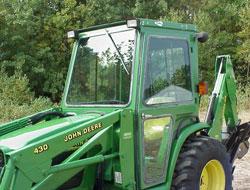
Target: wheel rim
213	176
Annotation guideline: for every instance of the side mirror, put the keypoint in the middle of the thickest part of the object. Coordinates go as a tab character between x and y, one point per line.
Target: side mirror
202	37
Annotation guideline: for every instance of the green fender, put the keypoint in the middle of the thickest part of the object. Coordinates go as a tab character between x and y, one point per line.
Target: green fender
177	145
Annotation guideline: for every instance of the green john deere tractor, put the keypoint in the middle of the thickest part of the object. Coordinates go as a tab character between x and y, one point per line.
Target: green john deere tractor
129	117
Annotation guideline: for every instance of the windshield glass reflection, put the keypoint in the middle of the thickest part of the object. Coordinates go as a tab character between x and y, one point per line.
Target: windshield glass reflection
102	68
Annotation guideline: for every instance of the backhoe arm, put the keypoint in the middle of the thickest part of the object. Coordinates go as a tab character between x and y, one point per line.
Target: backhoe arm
223	104
223	100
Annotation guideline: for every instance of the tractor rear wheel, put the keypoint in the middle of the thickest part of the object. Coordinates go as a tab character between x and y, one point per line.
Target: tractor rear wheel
203	164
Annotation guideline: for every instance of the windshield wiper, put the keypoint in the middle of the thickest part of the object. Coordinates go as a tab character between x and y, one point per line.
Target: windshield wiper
117	50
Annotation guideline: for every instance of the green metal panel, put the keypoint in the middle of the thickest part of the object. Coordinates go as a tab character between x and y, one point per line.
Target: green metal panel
153	24
21	181
176	111
127	149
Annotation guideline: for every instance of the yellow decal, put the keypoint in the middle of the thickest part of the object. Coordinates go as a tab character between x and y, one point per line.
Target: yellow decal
82	132
77	145
41	148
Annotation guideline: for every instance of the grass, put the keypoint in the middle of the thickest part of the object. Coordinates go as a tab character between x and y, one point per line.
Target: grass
243	98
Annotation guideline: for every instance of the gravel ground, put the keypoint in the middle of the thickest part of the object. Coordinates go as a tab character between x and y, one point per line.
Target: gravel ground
242	174
242	170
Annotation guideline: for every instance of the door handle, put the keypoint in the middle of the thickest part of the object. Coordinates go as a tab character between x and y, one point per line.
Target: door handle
146	116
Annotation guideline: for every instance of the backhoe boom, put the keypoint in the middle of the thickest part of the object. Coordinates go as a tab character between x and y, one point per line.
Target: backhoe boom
223	104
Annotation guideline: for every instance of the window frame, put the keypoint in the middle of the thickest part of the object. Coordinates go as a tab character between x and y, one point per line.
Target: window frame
148	182
73	56
146	66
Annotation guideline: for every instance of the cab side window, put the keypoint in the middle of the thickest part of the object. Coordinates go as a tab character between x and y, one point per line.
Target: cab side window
167	74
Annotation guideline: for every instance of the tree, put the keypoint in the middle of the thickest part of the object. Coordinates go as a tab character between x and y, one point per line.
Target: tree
33	33
244	44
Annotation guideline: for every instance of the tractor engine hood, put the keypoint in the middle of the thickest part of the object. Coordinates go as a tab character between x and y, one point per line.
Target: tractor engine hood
35	146
30	134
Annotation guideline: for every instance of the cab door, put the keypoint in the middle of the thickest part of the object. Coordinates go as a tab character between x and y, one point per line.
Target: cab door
166	95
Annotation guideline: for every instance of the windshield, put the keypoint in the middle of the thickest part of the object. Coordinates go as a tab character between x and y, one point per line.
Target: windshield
102	68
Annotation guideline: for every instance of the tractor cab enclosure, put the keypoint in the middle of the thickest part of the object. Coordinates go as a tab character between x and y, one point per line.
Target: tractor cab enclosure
148	69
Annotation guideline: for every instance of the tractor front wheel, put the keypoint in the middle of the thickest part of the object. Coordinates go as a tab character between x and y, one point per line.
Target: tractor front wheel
203	164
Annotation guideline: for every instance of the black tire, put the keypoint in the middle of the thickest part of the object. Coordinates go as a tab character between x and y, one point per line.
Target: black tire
194	156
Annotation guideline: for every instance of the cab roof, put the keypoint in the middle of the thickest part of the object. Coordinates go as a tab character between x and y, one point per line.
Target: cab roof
145	23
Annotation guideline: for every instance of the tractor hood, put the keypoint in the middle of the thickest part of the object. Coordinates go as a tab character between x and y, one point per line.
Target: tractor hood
29	134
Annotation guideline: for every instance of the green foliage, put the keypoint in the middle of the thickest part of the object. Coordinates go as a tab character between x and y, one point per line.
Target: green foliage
33	40
153	9
16	100
243	49
14	89
243	97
